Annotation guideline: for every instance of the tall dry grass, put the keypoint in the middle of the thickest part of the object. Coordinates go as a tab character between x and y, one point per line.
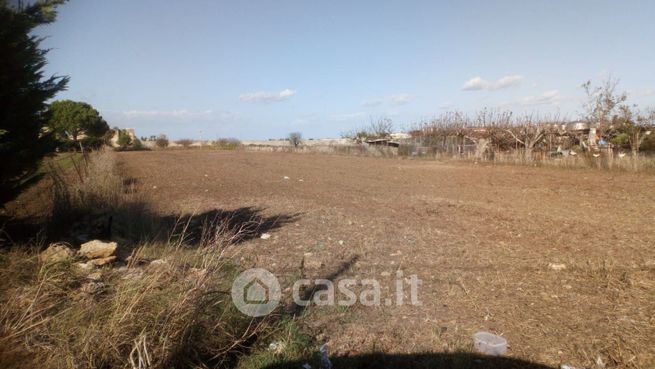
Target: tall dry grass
173	312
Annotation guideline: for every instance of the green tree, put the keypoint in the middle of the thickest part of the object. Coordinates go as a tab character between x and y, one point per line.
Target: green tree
69	119
23	89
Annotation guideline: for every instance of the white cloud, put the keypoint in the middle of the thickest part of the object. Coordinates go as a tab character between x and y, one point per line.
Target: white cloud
478	83
267	96
475	83
398	99
546	98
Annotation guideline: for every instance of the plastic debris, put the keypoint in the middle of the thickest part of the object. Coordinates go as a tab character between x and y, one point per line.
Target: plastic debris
277	347
265	236
556	266
325	359
489	343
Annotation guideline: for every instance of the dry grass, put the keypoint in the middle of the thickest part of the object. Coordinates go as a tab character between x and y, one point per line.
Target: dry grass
176	312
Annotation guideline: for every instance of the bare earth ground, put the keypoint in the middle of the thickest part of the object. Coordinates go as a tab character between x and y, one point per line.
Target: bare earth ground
480	238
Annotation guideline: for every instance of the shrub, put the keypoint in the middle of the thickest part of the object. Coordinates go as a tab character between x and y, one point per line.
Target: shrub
295	138
161	141
226	144
620	140
185	142
137	144
124	139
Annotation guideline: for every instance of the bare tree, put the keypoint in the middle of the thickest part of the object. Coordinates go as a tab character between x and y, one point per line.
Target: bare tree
380	128
161	141
295	138
600	107
185	142
530	131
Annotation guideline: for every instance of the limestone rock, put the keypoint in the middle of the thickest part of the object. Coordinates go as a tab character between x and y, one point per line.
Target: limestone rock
85	267
56	252
93	287
102	261
98	249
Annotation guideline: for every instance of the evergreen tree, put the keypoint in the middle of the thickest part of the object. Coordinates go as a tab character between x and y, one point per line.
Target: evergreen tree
24	90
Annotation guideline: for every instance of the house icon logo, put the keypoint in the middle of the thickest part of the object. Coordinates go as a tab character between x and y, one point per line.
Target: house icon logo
256	292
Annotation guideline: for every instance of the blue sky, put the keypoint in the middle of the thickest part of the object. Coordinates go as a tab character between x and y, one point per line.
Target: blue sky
261	69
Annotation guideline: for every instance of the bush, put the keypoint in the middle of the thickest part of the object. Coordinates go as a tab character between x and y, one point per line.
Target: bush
295	138
621	140
185	142
649	143
137	144
124	139
161	141
226	144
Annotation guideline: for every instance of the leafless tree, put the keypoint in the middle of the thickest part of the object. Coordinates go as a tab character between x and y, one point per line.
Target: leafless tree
380	128
602	103
185	142
161	141
531	130
295	138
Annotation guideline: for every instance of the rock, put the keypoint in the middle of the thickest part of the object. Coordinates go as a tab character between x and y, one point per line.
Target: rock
56	252
102	261
97	249
93	288
85	267
95	276
556	266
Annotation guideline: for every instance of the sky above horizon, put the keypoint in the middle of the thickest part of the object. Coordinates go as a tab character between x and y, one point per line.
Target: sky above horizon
262	69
